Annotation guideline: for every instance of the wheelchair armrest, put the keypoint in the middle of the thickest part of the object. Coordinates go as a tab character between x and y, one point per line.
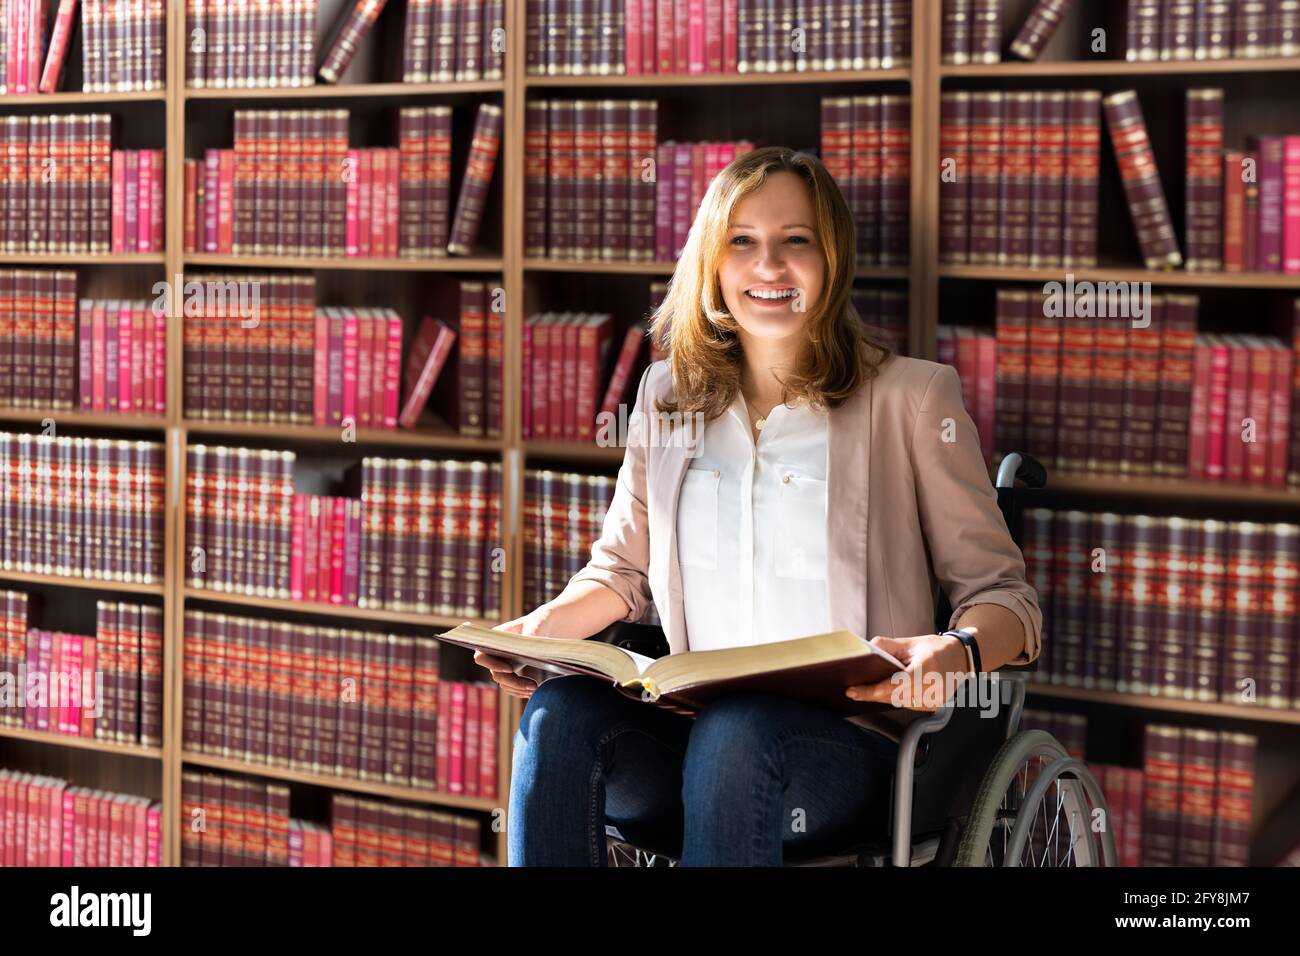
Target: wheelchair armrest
647	640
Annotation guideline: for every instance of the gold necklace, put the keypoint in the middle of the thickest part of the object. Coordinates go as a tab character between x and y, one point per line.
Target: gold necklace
759	420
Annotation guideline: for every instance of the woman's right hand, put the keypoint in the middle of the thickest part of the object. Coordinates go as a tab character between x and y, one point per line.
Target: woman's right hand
532	624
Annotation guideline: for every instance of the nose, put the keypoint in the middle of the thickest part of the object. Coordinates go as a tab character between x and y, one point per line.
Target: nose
771	257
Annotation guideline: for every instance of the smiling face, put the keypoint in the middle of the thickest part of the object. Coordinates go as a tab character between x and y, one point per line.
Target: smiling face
771	271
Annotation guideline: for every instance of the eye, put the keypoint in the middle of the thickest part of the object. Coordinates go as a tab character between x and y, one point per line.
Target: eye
799	239
739	238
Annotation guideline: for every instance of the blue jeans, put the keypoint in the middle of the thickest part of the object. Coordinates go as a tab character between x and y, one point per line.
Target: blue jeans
752	777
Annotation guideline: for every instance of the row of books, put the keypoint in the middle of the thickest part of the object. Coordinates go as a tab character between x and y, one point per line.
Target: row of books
866	144
446	43
292	186
256	348
971	32
123	48
884	312
107	686
46	822
1243	206
138	205
428	529
335	701
121	357
1184	608
564	512
586	192
82	507
56	186
565	358
1212	29
1018	177
1122	384
247	823
241	44
326	558
1190	802
643	37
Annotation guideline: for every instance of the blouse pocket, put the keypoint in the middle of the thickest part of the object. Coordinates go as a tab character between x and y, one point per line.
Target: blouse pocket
799	549
697	526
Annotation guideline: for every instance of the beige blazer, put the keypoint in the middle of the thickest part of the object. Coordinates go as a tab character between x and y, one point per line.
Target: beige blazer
910	507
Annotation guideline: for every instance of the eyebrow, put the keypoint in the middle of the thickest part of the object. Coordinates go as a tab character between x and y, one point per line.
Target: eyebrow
793	225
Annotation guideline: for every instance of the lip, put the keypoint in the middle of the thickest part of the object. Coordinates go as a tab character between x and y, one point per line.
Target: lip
769	288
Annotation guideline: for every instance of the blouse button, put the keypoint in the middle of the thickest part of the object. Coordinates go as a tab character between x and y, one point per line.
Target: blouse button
785	480
716	472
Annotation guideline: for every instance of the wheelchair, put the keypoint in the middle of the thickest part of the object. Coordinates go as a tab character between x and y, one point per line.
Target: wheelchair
967	790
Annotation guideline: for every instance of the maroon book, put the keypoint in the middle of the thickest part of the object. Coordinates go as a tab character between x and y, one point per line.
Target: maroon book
1141	178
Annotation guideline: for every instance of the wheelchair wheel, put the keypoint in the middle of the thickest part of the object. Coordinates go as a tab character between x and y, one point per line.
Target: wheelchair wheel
1037	806
625	854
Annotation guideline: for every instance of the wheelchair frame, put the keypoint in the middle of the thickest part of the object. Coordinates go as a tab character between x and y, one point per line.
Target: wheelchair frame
902	848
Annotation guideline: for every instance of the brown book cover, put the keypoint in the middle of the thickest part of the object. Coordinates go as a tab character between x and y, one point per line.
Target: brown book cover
476	180
351	30
1204	197
1141	178
985	176
1039	27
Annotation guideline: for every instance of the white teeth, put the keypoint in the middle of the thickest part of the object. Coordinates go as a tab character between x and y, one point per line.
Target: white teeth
765	294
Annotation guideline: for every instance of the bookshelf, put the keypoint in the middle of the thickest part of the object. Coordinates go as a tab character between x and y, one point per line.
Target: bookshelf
691	107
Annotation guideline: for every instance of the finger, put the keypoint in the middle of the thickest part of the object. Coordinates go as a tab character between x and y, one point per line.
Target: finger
881	692
892	645
493	663
511	626
513	682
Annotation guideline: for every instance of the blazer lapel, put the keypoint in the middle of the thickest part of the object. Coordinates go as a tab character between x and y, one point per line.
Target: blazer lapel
848	460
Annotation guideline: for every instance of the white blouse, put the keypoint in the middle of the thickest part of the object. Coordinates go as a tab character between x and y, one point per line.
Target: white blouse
751	529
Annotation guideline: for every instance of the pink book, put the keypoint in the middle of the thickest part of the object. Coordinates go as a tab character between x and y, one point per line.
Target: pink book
394	370
131	231
139	807
296	548
1237	387
144	398
366	319
124	357
310	547
70	722
338	525
153	829
326	848
99	353
54	813
324	549
354	191
632	40
1216	410
487	750
320	368
119	201
160	361
730	49
18	48
135	317
456	753
85	355
1291	204
156	219
473	735
35	42
144	212
88	702
712	36
379	204
350	366
379	367
295	843
391	207
69	826
364	201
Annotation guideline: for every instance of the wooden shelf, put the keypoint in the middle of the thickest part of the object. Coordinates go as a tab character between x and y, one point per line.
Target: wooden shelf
82	99
1149	487
1170	277
536	448
90	584
1123	67
81	743
1203	708
375	615
326	91
83	259
596	267
70	416
443	440
448	264
350	784
902	74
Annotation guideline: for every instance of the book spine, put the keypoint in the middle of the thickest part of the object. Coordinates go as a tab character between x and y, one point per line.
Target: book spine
1142	188
1039	27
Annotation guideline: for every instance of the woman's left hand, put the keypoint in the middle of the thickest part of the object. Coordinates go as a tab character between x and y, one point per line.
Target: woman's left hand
935	665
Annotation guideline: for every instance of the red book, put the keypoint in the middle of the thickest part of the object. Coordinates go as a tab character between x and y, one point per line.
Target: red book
393	364
54	61
320	368
311	546
1234	212
225	200
357	187
429	352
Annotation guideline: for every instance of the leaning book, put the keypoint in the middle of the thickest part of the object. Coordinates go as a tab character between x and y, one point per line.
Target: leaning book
816	669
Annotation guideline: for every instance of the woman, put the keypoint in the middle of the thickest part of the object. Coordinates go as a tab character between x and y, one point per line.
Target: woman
831	484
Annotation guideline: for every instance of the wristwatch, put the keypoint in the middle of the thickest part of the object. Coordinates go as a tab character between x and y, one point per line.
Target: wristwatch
972	649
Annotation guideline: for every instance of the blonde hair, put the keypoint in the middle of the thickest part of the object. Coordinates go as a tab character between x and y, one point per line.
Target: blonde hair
699	334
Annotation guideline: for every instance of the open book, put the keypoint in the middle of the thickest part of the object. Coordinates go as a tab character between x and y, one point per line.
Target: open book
816	669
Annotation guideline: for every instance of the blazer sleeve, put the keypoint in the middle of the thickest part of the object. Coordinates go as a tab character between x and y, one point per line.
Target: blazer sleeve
974	556
620	559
